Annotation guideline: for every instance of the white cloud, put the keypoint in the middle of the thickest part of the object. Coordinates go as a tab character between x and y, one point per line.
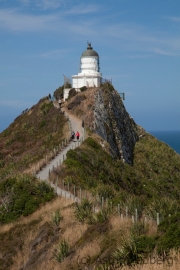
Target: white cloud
56	54
139	56
163	52
49	4
174	19
129	37
141	39
43	4
12	20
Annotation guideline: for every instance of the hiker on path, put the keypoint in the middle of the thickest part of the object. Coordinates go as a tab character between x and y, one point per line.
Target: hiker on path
72	135
77	135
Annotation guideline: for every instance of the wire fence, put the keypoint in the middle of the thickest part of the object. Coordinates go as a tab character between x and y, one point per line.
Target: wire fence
77	194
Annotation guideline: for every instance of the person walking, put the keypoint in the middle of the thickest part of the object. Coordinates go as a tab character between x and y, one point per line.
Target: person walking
77	135
72	135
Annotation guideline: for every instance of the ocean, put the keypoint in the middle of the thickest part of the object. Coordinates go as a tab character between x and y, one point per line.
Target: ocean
172	138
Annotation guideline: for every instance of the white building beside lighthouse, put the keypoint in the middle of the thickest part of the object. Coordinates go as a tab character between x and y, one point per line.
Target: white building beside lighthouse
89	75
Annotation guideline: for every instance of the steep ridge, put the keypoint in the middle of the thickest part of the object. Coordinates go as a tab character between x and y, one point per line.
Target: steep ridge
104	113
113	123
121	165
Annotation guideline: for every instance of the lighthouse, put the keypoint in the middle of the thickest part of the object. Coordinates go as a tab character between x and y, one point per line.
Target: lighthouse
89	75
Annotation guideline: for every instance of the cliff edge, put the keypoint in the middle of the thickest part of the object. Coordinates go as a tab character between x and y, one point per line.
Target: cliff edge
103	112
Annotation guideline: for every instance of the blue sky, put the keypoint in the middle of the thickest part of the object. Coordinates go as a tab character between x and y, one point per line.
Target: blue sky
138	42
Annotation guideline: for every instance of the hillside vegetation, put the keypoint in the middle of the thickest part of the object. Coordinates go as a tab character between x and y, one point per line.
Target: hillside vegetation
50	232
32	135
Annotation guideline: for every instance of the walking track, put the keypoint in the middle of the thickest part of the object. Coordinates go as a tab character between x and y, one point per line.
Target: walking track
43	175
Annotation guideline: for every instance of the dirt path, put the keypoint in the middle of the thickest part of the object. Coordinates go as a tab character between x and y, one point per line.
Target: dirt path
75	125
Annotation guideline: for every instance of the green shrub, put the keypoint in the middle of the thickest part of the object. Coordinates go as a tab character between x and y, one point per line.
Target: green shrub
105	191
42	124
92	143
91	182
145	244
132	203
45	107
163	206
83	210
169	233
22	195
57	217
72	154
59	92
83	88
72	93
99	217
127	252
139	228
62	251
73	163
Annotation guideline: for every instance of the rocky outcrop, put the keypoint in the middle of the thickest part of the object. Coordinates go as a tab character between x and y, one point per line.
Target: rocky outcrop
76	101
103	112
113	123
40	246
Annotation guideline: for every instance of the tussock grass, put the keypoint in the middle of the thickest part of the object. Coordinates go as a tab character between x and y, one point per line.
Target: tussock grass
29	227
147	185
30	137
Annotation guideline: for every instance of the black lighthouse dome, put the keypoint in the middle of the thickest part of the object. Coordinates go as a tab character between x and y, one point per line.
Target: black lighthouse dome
89	52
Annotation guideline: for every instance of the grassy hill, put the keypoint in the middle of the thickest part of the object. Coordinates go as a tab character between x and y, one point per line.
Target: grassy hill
49	232
30	137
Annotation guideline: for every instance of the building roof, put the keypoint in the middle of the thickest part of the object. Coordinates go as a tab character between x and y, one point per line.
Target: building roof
89	51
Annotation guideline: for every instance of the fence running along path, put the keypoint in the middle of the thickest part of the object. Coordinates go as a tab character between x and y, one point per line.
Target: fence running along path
56	157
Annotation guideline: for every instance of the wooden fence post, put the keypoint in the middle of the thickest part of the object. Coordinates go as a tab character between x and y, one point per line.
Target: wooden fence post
136	215
157	219
126	211
102	201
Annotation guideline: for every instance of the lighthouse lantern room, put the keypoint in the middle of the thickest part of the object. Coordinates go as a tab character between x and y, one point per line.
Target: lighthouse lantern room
89	75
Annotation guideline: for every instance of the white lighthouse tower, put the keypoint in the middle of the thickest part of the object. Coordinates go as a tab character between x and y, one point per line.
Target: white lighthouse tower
89	75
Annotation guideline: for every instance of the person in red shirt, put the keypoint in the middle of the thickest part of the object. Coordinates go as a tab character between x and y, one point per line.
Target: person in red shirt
77	135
